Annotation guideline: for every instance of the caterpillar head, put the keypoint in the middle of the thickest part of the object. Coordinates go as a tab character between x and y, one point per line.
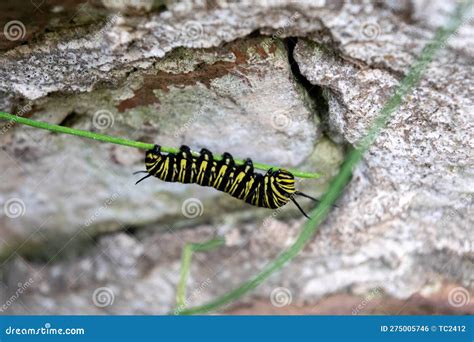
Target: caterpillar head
152	157
285	180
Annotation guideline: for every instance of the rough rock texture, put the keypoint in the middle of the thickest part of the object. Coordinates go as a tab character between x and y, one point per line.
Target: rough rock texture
219	75
219	99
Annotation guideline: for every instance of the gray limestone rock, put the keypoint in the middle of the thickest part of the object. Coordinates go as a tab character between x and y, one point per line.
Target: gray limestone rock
78	237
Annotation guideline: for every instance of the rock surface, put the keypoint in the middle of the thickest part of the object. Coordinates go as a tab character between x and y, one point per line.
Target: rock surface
218	99
78	237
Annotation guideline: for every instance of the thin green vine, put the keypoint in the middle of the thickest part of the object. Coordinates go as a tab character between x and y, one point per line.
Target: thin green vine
353	158
131	143
186	259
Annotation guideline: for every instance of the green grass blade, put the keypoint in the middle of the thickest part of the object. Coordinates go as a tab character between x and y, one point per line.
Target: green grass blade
186	259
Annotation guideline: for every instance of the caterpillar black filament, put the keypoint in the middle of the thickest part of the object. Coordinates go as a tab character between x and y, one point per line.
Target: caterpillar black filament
272	190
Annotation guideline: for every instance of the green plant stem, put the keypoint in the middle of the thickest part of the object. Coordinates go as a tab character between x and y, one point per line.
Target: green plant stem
353	158
186	259
131	143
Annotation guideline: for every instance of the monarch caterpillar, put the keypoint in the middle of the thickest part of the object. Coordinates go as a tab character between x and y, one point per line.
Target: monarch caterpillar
272	190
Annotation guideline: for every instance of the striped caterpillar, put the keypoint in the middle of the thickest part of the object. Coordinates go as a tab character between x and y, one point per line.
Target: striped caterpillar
272	190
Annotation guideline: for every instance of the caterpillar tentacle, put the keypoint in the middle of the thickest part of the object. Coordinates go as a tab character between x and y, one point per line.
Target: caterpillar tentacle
138	181
272	190
296	203
307	196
